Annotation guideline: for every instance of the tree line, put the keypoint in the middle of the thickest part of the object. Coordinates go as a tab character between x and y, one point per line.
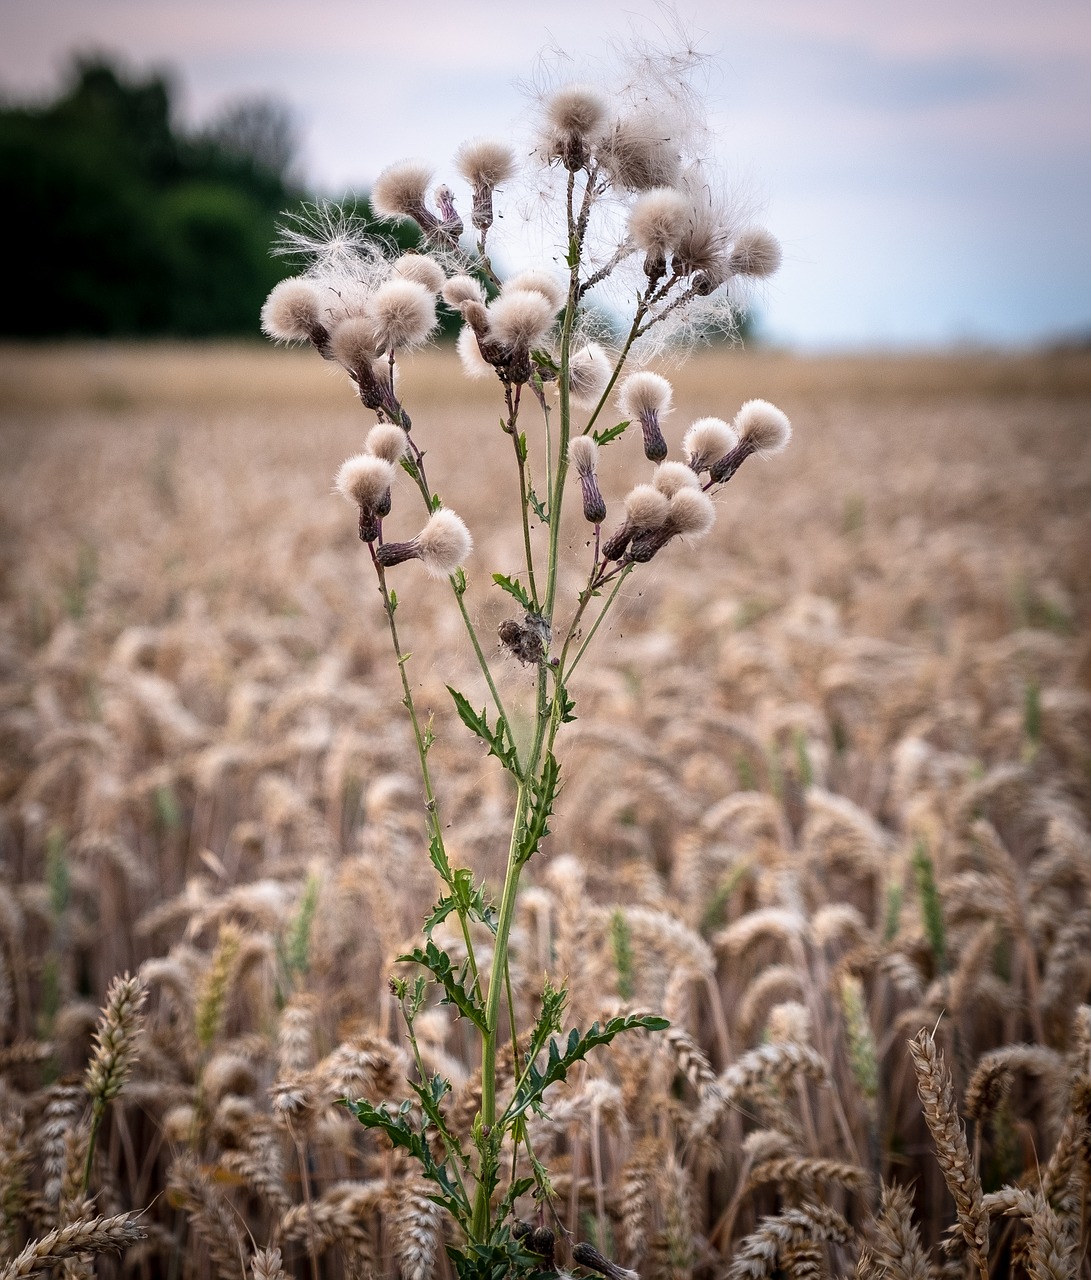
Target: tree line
121	222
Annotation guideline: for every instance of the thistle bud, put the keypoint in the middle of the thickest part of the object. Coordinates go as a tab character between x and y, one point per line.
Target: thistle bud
583	453
451	223
647	396
484	164
366	480
575	116
645	510
441	546
762	428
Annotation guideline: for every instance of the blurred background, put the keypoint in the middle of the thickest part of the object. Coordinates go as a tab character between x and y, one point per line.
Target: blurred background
928	171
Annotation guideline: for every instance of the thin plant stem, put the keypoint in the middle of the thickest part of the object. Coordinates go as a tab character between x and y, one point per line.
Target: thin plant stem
595	626
431	805
521	463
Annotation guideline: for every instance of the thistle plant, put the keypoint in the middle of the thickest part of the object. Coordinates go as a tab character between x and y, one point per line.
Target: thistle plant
636	220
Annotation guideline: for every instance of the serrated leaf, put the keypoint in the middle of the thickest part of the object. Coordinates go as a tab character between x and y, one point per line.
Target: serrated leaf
545	792
466	897
566	703
498	739
397	1128
536	505
561	1059
438	963
514	589
611	433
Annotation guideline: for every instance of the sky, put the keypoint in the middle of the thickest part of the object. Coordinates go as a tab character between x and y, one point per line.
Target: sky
927	168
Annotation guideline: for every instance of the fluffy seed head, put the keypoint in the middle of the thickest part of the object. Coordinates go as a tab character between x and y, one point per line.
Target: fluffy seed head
400	189
691	513
520	318
583	454
646	507
644	395
388	442
403	313
421	268
292	310
672	477
485	162
755	253
658	220
640	153
353	343
576	109
460	289
707	440
474	365
540	282
365	480
763	427
443	544
589	373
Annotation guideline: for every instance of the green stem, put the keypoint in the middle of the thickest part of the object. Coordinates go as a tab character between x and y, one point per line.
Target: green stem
597	623
521	463
431	805
98	1111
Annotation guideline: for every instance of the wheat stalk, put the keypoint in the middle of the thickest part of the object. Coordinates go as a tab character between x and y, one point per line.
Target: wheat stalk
938	1098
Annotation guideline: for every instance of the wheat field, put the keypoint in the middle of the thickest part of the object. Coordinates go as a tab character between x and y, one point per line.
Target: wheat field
827	806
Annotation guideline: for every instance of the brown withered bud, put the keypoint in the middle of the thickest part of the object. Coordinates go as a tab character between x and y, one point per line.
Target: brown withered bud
450	222
588	1256
527	641
583	453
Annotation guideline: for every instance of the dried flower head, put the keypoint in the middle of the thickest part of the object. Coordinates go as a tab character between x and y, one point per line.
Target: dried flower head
692	513
574	119
644	394
589	373
403	313
365	480
387	441
441	546
460	289
540	282
671	477
707	440
400	191
292	312
354	344
647	396
583	454
762	427
658	220
485	164
756	252
474	364
422	269
640	153
444	543
645	510
520	318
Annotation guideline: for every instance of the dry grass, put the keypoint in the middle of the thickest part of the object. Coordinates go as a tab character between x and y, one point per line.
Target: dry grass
876	668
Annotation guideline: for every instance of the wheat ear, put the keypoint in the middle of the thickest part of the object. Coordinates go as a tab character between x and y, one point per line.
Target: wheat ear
757	1256
114	1053
897	1243
94	1235
937	1095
